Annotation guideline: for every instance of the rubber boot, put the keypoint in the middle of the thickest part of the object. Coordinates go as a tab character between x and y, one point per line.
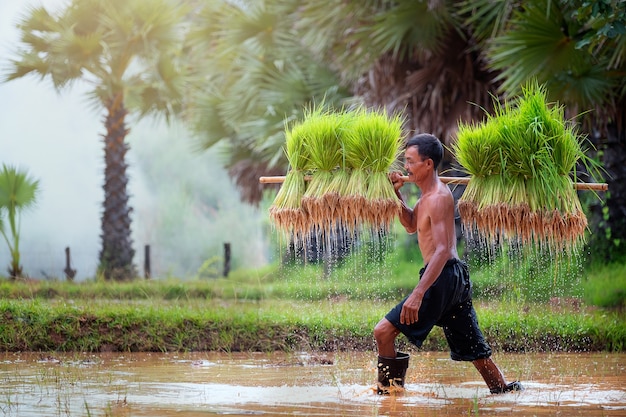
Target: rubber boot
513	386
391	372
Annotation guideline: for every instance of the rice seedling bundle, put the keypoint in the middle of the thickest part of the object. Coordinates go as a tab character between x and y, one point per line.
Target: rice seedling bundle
347	156
335	195
372	146
321	198
522	163
286	211
355	196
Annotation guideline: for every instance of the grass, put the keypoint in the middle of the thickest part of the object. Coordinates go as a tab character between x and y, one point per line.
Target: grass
521	307
496	276
269	325
605	286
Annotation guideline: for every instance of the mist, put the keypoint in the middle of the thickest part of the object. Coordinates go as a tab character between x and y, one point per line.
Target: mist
184	204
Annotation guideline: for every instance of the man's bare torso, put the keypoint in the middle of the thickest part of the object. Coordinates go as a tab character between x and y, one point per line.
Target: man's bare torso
439	199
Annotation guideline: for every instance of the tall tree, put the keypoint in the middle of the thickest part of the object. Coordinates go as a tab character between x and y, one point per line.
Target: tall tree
130	53
18	192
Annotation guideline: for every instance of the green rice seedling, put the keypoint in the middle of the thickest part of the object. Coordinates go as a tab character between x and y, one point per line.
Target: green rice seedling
355	155
522	165
286	210
324	156
372	146
348	155
355	198
478	151
335	195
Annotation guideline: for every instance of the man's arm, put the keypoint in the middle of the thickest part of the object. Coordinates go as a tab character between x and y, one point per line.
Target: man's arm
407	216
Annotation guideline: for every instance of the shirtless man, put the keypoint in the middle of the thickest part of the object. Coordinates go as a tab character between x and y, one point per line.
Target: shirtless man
443	295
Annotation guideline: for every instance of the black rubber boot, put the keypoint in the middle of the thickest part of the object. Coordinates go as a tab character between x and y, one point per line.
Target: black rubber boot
513	386
391	372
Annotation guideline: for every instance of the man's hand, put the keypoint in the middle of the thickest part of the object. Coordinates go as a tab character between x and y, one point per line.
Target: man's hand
397	180
411	306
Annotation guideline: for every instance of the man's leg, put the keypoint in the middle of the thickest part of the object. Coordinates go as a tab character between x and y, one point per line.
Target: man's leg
490	373
391	365
385	334
494	377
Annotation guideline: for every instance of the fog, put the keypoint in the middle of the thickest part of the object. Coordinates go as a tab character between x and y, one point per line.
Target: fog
185	206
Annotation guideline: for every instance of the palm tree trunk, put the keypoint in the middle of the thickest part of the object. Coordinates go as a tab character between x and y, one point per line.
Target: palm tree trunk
116	257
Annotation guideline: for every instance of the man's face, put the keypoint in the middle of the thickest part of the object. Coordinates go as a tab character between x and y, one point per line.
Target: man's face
415	166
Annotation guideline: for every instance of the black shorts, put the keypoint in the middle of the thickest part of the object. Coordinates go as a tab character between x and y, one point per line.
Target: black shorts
448	304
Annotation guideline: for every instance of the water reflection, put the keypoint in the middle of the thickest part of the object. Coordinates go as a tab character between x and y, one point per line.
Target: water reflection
326	384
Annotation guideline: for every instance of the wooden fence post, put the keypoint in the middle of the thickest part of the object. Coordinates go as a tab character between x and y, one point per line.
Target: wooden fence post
69	272
146	262
226	259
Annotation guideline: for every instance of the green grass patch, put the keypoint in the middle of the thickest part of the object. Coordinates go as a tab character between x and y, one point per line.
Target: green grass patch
605	286
521	303
502	276
270	325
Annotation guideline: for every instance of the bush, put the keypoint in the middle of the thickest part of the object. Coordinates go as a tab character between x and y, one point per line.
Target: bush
605	285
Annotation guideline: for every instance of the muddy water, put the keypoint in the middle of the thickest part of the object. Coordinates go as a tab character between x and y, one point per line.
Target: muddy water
335	384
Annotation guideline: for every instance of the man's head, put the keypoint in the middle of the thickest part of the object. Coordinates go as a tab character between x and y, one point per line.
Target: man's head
428	147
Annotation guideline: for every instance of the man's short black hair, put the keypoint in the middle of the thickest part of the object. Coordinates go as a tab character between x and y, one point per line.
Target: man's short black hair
428	146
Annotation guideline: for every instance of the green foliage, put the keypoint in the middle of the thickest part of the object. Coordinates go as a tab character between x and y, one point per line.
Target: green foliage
607	21
509	274
545	39
356	34
605	242
259	76
101	39
18	192
605	285
521	327
130	52
522	273
209	268
288	325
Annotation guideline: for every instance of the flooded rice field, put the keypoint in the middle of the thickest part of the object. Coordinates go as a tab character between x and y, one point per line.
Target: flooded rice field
303	384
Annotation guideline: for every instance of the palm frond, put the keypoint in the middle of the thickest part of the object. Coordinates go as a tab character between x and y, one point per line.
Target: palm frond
537	44
541	43
17	188
318	28
408	25
582	86
487	18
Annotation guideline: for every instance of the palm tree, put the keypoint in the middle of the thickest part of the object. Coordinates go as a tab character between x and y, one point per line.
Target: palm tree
18	192
130	53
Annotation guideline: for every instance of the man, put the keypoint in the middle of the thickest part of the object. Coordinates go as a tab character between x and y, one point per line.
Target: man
443	295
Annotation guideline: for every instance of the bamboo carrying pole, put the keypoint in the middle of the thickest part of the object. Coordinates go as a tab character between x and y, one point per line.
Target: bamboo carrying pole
595	186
